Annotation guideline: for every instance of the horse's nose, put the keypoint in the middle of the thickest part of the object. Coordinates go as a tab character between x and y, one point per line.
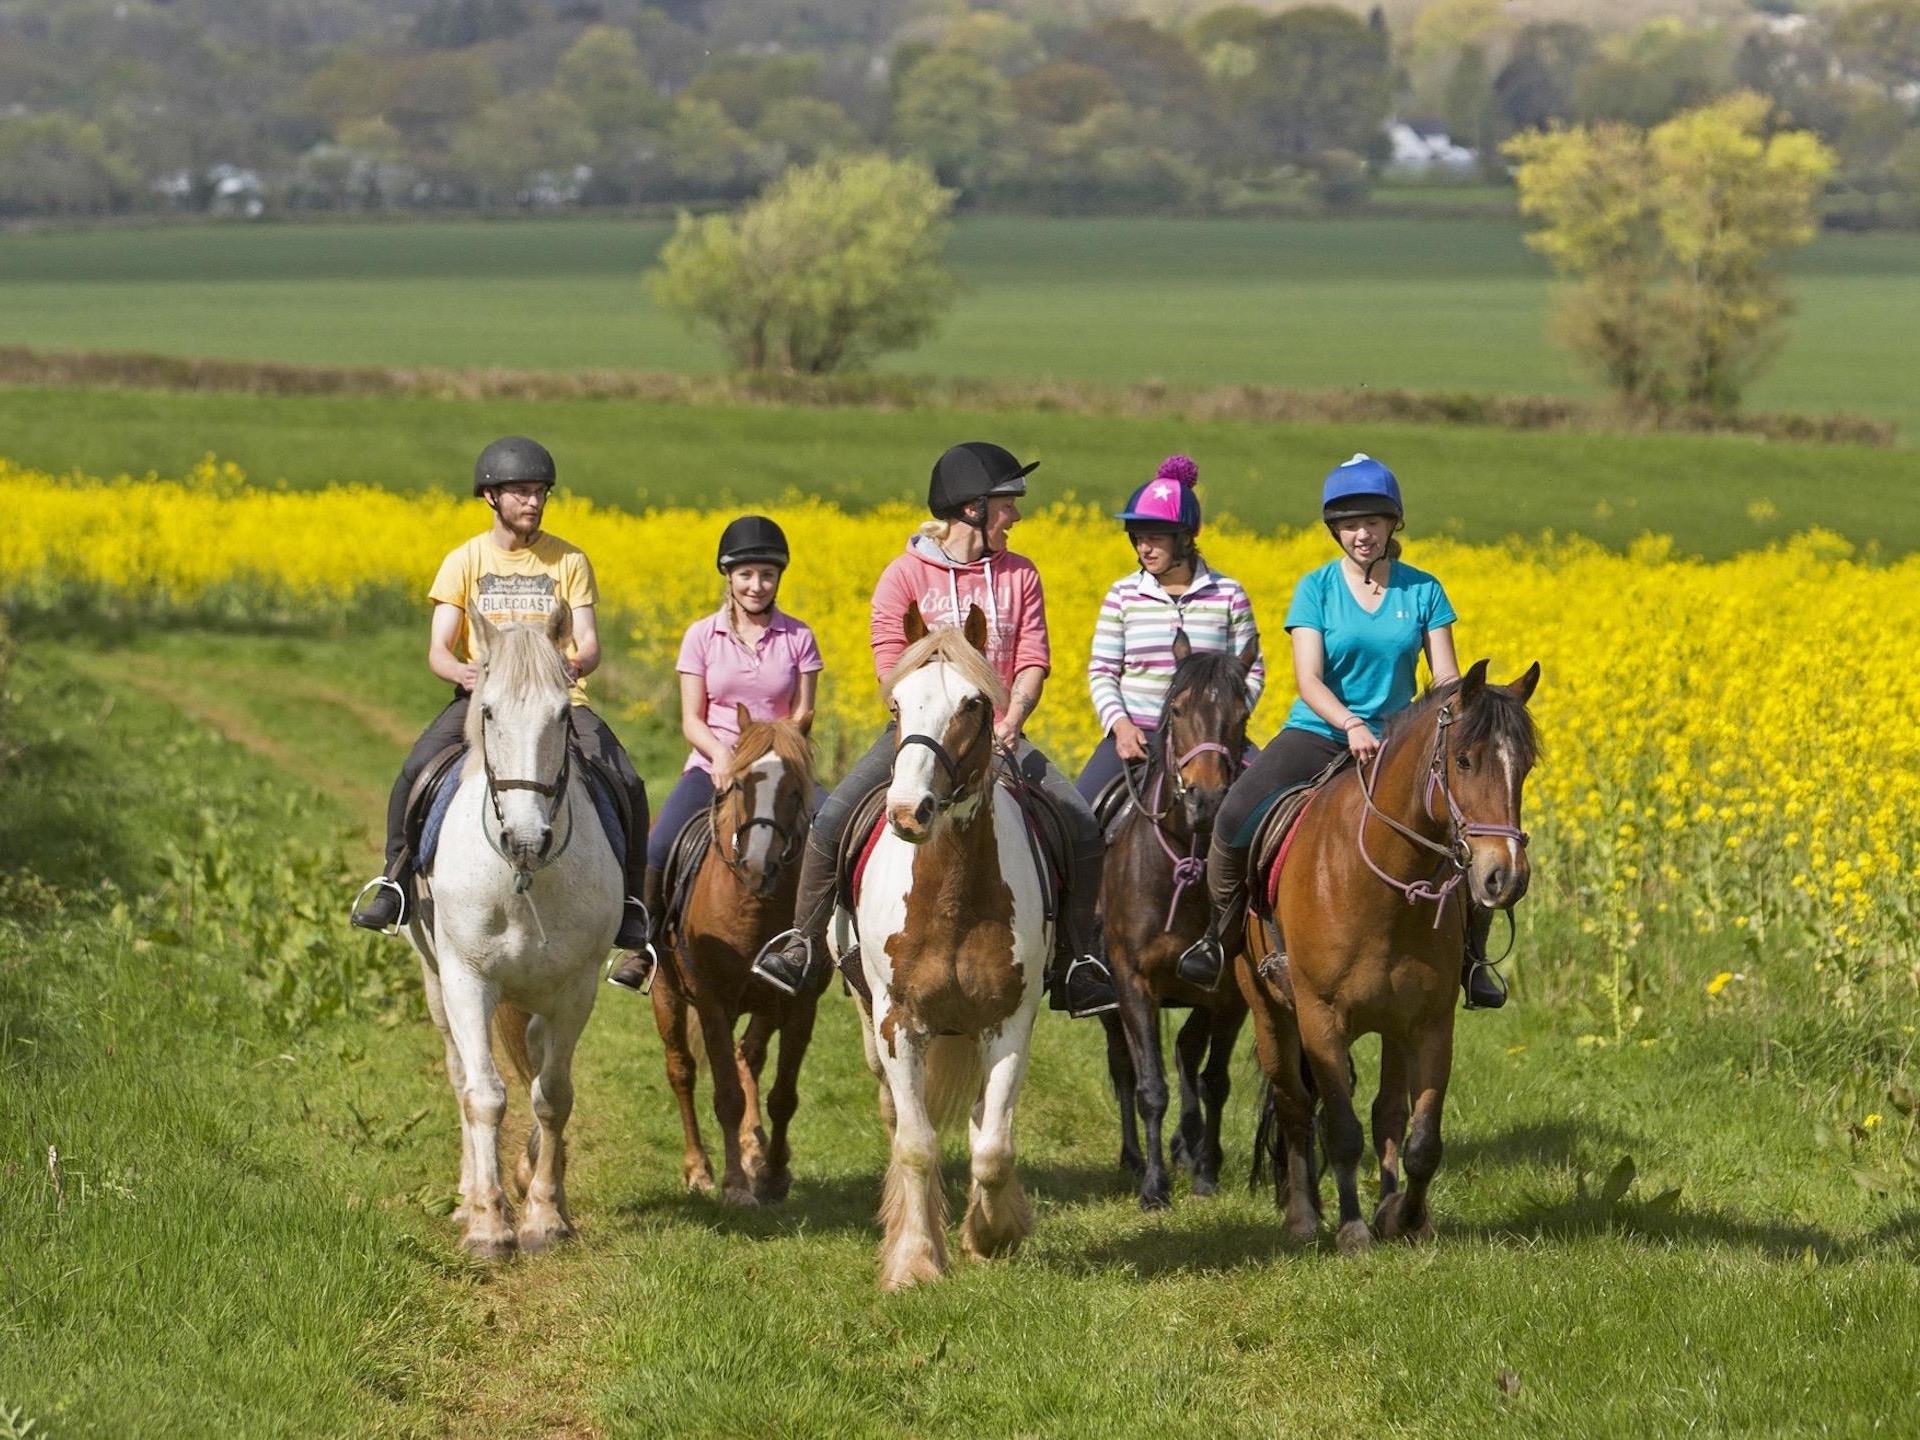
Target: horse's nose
923	812
546	839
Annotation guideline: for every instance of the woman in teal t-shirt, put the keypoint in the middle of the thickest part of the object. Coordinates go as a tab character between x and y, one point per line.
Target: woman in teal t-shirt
1359	625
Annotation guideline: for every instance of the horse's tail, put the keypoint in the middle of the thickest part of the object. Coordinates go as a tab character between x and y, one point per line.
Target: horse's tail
953	1078
510	1034
1266	1143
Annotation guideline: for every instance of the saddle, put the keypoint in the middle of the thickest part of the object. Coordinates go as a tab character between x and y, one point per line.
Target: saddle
1110	806
432	796
1272	840
1045	824
689	852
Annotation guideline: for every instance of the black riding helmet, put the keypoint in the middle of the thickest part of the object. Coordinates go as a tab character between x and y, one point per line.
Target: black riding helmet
971	472
512	460
751	538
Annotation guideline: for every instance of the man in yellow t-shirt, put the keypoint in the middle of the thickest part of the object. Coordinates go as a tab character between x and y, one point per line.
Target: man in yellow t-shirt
515	574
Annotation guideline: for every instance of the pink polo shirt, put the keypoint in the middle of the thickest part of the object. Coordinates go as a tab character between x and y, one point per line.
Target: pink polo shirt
764	678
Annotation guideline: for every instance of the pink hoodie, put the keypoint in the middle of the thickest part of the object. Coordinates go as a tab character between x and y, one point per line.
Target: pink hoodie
1005	586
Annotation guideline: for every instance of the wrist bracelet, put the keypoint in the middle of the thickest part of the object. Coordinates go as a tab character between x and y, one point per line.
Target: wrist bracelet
1351	721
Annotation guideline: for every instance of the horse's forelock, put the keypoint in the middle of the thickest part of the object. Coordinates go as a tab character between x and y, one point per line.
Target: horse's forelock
948	647
523	661
1210	672
1497	716
782	738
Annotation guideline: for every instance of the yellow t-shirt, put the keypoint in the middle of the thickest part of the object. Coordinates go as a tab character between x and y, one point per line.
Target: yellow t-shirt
514	587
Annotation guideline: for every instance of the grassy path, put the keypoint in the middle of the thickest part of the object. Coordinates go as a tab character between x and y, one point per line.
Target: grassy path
290	1273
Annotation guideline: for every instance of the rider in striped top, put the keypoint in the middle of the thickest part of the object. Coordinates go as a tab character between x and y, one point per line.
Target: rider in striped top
1172	591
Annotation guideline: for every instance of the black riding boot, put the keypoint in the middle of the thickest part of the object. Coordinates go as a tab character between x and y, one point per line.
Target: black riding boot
795	961
636	971
1078	980
1485	988
1203	963
386	908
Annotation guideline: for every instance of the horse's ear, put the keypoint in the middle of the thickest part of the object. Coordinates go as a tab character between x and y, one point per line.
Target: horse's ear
1250	656
560	623
480	633
742	715
976	628
1471	684
1524	686
1182	647
913	623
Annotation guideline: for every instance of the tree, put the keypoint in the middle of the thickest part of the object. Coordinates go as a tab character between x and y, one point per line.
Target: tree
1672	235
836	263
956	113
57	164
1881	39
454	24
512	140
603	74
801	129
704	149
1535	86
1651	74
1321	81
1063	92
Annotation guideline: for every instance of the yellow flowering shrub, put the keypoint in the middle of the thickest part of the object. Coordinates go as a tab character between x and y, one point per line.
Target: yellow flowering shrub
1731	747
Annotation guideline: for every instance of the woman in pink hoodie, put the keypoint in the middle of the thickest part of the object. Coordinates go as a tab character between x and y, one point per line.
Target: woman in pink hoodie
957	561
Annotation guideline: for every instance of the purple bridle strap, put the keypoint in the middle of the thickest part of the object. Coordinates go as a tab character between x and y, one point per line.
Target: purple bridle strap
1187	868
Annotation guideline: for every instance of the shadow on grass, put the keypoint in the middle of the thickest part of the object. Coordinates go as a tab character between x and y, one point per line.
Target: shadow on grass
1546	1144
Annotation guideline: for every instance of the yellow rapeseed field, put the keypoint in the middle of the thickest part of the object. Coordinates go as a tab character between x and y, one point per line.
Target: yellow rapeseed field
1730	746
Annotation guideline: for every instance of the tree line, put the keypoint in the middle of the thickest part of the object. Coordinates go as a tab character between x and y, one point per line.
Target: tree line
116	106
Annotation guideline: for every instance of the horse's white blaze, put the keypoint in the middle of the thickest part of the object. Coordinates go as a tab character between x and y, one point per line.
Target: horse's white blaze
761	839
1510	767
926	700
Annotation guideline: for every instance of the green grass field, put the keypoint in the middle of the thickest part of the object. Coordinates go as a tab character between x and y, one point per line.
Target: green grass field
1478	484
1444	304
246	1235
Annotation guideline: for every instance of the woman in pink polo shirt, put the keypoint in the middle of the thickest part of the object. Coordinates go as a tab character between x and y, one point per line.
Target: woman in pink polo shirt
746	653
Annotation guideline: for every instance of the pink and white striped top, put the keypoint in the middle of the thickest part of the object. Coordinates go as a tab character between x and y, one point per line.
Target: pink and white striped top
1133	664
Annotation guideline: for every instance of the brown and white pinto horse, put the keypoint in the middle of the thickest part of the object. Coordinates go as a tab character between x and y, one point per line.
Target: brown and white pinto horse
741	896
1154	899
1372	910
953	937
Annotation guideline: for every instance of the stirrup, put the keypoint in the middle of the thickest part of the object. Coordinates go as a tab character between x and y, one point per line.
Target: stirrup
381	882
1066	987
1195	950
760	961
1476	968
645	987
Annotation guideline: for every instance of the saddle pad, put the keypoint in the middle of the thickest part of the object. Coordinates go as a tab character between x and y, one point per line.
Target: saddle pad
440	799
684	859
1289	827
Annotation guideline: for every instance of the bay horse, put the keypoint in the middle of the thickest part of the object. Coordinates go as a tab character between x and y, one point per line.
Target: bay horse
1154	899
526	893
1372	909
953	933
741	895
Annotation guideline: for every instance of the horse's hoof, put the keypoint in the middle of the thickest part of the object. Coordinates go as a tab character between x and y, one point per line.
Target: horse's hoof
535	1238
1158	1198
699	1182
1205	1186
773	1187
906	1274
739	1194
498	1246
1303	1228
1354	1238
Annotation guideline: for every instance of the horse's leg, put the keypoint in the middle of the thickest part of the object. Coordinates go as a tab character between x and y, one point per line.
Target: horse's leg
751	1056
1276	1043
913	1208
729	1098
1141	1017
998	1217
456	1073
1216	1083
469	1006
870	1044
1390	1121
1120	1071
1432	1068
670	1016
544	1218
796	1033
1323	1034
1189	1053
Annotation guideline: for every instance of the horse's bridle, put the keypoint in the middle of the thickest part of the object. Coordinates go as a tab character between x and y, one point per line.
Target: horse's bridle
956	791
557	794
790	840
1456	851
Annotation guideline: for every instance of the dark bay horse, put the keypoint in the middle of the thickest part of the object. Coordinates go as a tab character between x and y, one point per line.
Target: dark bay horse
742	895
1154	898
1372	911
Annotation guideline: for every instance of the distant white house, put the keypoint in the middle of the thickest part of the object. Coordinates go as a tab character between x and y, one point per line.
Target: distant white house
1420	149
230	190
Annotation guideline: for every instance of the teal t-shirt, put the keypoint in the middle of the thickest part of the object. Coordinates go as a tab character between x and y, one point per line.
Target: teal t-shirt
1371	658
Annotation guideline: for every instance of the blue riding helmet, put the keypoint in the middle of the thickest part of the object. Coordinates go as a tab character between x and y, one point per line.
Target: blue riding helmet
1360	486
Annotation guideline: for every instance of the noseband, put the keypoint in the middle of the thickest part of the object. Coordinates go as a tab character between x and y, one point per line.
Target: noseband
556	792
956	786
733	856
1456	852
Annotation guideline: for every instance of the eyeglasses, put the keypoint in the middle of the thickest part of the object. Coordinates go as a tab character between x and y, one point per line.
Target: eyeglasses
532	490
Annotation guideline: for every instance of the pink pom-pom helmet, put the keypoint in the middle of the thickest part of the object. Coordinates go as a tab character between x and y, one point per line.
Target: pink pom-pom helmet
1168	499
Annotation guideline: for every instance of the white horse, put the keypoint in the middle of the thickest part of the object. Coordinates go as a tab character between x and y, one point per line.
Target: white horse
527	895
953	940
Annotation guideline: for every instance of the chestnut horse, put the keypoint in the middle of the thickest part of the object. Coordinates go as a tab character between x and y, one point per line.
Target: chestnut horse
741	896
1372	910
1154	898
953	936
